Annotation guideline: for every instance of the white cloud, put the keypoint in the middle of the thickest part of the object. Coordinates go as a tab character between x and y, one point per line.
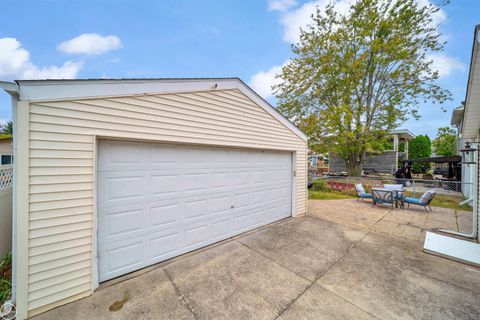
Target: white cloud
446	65
15	64
281	5
263	81
90	44
293	20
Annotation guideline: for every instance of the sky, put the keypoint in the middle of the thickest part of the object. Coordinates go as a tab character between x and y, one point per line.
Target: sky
249	39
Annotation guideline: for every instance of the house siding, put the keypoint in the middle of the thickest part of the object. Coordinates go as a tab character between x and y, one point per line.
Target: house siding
62	160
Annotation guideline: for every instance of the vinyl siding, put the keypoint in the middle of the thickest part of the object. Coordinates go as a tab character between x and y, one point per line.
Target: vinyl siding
62	151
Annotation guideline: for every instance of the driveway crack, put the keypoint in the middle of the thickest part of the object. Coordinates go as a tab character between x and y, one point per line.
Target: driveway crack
276	262
184	300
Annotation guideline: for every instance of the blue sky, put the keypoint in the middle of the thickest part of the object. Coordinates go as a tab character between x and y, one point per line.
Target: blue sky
246	38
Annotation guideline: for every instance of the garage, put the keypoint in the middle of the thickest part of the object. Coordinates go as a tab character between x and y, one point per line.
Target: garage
157	201
115	175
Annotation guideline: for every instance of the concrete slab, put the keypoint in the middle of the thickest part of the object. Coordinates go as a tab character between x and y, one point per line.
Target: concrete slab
399	230
149	296
318	303
270	271
308	246
407	217
357	214
233	282
464	221
392	291
407	254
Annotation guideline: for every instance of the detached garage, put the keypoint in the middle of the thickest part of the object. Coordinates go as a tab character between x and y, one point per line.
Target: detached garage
112	176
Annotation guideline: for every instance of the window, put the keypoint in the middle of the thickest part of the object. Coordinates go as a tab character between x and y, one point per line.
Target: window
6	159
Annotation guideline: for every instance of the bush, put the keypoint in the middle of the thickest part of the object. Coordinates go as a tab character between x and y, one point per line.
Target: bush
5	278
320	185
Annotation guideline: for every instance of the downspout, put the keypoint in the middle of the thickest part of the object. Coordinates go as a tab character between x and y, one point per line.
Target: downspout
474	233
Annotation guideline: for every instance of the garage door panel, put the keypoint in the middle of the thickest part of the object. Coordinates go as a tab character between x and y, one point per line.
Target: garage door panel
121	259
163	156
122	155
196	235
180	198
220	180
195	209
165	183
195	181
221	227
220	203
164	245
121	188
165	215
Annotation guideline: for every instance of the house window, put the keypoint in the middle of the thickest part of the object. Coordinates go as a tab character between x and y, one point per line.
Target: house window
6	159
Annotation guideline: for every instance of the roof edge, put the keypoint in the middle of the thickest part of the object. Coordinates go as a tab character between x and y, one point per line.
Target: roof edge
9	87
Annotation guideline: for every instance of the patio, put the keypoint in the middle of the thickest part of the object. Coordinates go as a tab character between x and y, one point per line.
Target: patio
345	260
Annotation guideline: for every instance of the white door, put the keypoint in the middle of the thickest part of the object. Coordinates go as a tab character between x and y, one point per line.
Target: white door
157	201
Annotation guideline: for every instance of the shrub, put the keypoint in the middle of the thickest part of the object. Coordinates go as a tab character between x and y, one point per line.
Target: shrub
320	185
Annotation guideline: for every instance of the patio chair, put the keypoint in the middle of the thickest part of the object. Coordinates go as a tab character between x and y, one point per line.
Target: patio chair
423	201
361	194
383	196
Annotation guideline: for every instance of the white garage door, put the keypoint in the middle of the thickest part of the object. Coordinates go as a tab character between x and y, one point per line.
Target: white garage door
157	201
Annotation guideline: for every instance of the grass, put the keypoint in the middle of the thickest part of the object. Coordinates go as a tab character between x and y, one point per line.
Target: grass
5	278
328	195
440	200
446	201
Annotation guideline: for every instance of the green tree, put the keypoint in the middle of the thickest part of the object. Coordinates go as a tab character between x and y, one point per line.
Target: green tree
420	147
356	76
445	143
7	128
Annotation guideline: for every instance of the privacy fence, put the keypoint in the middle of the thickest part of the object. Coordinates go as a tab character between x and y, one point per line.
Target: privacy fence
6	184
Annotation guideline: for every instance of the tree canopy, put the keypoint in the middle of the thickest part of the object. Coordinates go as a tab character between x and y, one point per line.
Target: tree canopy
420	147
356	76
7	128
445	143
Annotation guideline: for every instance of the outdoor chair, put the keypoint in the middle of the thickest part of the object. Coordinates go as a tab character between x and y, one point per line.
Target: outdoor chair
361	194
423	201
383	196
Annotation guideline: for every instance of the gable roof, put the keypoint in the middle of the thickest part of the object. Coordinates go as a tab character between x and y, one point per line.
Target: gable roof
76	89
471	115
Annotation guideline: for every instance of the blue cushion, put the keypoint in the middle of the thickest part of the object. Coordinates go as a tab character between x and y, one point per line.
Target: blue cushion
413	201
366	195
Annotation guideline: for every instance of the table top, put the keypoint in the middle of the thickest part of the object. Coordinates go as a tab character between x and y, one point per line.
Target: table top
389	189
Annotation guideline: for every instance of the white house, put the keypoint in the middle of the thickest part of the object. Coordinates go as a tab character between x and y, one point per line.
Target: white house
112	176
465	247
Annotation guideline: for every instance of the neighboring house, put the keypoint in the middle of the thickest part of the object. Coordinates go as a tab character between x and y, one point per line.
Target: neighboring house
112	176
386	162
468	171
468	123
6	149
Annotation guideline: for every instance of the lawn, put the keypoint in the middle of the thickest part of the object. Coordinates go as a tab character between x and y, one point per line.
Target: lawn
440	200
5	278
328	195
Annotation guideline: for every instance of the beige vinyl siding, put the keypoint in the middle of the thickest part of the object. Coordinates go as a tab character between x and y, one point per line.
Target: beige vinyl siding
62	148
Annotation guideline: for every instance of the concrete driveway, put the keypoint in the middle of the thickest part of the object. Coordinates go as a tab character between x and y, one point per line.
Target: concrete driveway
345	260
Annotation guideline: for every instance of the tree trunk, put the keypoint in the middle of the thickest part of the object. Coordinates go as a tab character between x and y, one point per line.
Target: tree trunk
354	164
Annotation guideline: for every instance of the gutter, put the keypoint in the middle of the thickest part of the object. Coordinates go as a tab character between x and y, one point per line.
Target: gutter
10	87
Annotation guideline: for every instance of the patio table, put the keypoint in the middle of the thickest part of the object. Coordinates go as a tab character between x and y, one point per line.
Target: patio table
388	196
